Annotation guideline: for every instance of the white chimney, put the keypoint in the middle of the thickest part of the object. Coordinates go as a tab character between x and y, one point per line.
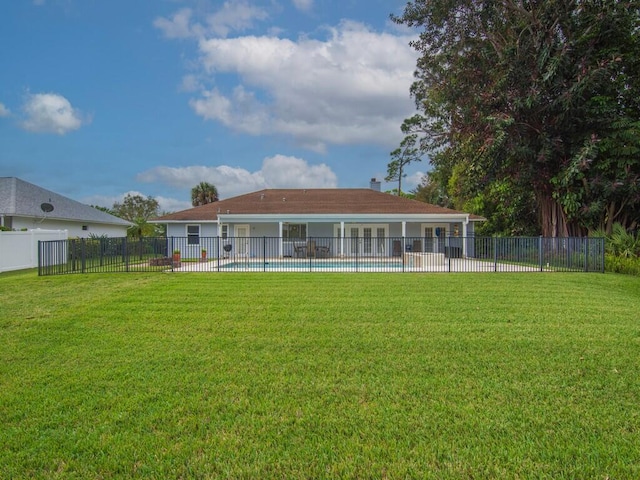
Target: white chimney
375	185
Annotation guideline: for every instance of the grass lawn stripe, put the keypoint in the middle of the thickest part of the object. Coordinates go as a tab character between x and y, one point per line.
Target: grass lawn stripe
319	376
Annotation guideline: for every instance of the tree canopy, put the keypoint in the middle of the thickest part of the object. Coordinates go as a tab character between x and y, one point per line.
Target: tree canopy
138	210
203	193
530	110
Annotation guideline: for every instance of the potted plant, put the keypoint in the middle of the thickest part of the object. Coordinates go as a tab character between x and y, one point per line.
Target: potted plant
203	253
176	258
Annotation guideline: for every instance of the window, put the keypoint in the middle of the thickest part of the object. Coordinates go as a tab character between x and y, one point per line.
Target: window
224	231
193	234
294	231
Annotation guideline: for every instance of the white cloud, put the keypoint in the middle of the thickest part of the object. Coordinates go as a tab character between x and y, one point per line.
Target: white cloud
351	88
178	26
303	5
233	16
167	204
50	113
4	111
279	171
412	181
190	83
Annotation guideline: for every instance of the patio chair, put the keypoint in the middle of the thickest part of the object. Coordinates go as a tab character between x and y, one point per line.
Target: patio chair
300	251
322	251
311	248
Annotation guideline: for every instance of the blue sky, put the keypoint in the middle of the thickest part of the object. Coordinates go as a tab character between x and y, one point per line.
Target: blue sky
103	98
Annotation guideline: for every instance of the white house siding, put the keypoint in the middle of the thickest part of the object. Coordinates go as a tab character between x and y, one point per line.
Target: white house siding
322	233
75	229
180	229
318	229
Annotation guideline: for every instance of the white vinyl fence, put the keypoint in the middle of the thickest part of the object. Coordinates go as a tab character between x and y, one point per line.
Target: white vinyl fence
19	250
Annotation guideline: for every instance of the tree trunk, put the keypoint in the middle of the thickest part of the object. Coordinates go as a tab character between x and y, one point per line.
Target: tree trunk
553	220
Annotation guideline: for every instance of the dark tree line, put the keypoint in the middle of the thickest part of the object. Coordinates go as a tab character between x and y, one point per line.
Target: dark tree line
530	111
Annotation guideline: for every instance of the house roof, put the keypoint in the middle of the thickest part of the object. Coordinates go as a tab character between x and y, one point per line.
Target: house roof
23	199
319	201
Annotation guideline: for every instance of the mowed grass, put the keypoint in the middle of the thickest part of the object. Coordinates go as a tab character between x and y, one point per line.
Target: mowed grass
320	376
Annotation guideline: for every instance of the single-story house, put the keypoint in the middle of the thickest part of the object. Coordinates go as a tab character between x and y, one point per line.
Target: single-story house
25	206
337	222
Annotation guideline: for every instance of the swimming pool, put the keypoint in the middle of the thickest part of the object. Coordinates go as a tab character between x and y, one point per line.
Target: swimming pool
302	264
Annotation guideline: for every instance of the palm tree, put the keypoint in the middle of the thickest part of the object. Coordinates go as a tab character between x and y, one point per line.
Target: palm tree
203	193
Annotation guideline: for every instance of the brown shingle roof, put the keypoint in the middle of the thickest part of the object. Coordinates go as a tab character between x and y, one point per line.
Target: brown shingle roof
311	201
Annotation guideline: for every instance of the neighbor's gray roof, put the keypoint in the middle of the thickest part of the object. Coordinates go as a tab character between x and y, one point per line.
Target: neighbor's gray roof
23	199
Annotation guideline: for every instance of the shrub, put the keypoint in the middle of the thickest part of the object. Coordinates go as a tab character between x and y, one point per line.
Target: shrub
620	264
622	250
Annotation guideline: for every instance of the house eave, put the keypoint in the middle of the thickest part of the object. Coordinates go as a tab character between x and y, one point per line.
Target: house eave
347	218
124	223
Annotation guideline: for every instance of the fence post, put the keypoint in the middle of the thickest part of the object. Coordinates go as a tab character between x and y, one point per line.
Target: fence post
540	259
264	253
125	253
357	250
39	259
83	255
495	254
170	253
586	253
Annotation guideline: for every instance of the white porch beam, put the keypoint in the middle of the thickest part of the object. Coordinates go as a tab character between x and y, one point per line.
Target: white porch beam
280	242
464	237
342	239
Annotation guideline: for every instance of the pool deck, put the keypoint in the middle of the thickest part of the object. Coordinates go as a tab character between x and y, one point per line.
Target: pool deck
312	265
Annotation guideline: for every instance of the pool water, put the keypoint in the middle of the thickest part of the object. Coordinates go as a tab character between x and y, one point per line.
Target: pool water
307	265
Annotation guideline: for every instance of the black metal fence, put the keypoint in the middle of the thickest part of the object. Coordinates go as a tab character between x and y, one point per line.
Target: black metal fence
322	254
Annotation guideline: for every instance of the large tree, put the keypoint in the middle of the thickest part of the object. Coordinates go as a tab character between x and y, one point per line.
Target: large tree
407	153
203	193
536	100
138	210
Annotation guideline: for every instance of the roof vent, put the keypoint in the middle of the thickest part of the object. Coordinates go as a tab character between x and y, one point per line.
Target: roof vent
284	199
375	185
262	196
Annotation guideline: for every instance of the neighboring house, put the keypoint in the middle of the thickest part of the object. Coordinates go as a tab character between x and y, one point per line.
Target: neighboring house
27	206
348	221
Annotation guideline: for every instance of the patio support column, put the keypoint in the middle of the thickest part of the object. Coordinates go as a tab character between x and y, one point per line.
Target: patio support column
280	246
342	239
404	234
464	237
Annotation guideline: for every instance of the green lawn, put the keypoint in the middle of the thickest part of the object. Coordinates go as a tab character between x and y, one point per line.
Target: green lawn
320	376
